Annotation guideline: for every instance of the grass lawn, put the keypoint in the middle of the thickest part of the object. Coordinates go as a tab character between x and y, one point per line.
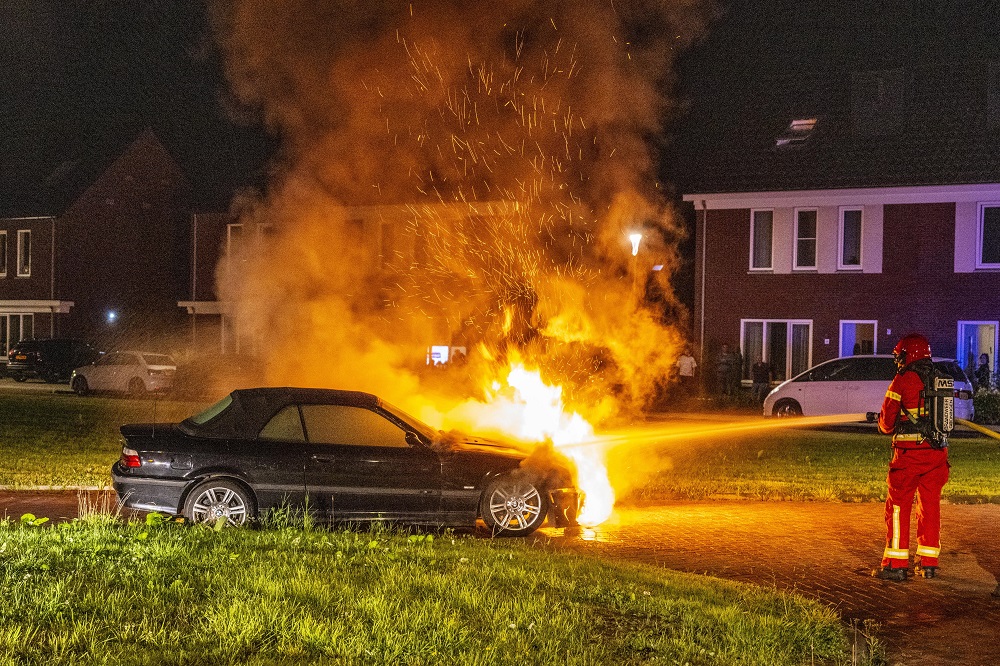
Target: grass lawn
96	591
65	440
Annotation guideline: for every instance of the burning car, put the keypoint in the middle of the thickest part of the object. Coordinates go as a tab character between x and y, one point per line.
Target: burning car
345	455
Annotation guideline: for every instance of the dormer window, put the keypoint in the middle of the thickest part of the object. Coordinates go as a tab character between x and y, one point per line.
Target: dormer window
797	132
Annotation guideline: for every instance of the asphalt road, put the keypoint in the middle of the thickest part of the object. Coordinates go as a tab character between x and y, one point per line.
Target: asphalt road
821	550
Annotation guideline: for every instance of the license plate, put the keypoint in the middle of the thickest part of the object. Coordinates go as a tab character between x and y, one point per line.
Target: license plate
21	357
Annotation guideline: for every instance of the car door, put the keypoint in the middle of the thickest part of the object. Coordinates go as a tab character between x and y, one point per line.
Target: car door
100	376
276	461
823	390
360	465
869	378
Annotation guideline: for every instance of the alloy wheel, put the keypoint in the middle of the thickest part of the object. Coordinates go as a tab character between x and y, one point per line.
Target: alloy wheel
516	506
216	502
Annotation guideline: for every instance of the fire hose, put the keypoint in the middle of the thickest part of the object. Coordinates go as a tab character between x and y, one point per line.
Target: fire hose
872	417
978	428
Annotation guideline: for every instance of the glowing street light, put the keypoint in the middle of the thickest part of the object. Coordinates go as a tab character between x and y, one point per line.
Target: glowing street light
635	238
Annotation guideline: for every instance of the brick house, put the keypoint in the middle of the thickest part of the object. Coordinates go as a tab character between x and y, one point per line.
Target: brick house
847	209
388	240
97	249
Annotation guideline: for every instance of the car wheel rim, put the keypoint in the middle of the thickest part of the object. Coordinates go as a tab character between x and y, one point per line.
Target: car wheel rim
216	503
515	507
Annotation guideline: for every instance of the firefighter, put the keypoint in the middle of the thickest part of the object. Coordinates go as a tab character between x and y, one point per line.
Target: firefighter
917	466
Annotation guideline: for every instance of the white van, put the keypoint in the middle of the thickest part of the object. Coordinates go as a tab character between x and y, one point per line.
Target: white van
853	385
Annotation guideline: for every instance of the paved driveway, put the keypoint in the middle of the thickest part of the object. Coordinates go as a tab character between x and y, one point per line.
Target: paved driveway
826	551
821	550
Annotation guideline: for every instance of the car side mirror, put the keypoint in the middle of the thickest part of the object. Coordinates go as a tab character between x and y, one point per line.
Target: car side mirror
413	439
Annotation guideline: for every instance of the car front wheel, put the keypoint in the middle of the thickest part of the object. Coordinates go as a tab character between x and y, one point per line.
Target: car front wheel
786	408
136	388
217	500
80	386
513	506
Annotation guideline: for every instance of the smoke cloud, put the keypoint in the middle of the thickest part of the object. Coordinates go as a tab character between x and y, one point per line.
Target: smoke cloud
459	173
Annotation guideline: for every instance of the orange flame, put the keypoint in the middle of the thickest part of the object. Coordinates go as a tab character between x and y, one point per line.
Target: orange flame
535	413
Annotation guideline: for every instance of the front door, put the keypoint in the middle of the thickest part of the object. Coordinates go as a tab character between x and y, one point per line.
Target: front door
362	466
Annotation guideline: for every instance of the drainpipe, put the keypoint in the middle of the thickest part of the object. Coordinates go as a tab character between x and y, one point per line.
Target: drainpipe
704	268
194	277
52	281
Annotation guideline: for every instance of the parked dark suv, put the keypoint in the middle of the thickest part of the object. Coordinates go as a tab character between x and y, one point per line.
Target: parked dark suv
51	360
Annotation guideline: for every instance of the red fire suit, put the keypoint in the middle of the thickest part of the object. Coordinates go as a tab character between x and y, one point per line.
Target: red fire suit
916	467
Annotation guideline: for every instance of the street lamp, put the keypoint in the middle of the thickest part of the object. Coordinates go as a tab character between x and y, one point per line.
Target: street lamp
635	238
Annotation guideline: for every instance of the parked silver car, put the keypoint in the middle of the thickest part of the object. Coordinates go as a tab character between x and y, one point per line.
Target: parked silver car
135	373
853	385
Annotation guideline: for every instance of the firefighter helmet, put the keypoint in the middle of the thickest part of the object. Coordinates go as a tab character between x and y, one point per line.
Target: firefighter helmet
910	348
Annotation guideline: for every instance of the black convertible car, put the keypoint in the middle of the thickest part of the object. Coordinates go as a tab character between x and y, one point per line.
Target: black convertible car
348	456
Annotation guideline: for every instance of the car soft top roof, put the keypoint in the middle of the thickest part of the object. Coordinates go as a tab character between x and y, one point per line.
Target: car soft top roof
251	409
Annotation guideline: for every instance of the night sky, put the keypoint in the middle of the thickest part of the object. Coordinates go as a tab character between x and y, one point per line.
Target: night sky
76	74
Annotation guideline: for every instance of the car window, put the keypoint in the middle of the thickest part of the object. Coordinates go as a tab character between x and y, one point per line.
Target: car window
108	359
354	426
211	412
872	369
157	359
285	426
831	371
952	369
128	359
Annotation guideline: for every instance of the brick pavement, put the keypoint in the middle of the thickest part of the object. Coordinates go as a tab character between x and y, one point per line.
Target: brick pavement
826	551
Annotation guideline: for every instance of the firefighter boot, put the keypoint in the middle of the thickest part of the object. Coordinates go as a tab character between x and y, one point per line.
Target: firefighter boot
895	574
926	572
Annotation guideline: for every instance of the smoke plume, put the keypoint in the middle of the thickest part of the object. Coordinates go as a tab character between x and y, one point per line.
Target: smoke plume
461	173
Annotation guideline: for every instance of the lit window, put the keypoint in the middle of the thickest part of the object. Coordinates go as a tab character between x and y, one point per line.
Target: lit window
850	238
23	253
989	236
857	338
761	226
797	132
805	238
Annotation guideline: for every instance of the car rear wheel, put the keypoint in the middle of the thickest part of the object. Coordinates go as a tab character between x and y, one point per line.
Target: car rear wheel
217	500
80	386
513	506
136	388
786	408
18	377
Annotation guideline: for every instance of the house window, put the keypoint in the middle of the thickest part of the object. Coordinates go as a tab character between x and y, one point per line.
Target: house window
14	328
23	253
761	226
989	236
234	239
3	254
857	338
976	339
784	343
265	230
805	238
850	239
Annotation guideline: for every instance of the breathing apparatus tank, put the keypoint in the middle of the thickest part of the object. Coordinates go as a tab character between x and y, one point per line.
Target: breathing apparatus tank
939	402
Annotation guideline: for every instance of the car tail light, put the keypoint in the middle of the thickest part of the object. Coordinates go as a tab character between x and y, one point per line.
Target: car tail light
963	395
130	458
